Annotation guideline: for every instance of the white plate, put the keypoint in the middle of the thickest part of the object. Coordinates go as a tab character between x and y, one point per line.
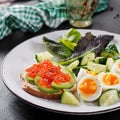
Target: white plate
23	55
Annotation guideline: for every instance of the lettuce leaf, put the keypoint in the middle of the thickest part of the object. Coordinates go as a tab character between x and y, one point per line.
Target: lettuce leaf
56	48
86	44
71	38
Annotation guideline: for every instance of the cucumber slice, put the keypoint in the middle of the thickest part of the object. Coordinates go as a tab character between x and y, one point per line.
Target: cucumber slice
95	67
73	65
69	98
116	58
108	97
88	57
109	53
100	60
109	63
112	46
43	56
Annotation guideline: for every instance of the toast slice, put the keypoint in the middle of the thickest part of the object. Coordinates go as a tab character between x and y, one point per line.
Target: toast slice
33	90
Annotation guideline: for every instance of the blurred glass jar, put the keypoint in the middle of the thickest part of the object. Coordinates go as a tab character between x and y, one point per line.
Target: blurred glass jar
3	1
80	12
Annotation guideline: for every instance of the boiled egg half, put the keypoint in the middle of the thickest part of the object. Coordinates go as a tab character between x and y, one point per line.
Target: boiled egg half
116	67
89	88
109	80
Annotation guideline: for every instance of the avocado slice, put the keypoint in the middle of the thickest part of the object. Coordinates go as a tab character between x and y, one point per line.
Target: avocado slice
29	79
65	85
44	87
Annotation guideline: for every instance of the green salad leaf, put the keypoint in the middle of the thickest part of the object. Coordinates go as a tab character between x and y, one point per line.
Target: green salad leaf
72	35
65	45
86	44
68	44
71	38
57	48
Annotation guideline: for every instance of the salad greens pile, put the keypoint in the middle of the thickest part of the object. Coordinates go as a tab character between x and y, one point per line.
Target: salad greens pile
65	46
73	45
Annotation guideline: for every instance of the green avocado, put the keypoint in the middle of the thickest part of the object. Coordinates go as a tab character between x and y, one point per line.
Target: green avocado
45	88
56	86
65	85
29	79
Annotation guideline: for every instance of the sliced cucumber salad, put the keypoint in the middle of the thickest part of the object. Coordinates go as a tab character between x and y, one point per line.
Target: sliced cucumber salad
109	97
88	57
43	55
69	98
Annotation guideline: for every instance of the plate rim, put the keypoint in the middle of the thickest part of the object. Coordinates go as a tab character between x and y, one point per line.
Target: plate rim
43	107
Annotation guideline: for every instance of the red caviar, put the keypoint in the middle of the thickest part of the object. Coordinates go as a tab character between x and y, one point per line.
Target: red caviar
48	73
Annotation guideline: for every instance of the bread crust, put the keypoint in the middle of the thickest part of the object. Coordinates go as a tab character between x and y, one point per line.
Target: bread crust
33	90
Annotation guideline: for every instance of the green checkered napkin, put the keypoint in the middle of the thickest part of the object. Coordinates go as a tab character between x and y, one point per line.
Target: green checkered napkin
32	18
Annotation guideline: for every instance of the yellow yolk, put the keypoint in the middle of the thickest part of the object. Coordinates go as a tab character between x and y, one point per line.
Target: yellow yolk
91	73
110	79
118	65
88	86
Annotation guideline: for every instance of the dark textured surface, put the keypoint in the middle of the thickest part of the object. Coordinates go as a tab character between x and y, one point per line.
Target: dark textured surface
12	108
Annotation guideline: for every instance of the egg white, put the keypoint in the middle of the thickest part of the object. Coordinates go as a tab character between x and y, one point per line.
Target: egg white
82	73
93	97
115	67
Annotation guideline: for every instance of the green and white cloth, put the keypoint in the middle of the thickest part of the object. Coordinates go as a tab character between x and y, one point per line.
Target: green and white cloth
32	18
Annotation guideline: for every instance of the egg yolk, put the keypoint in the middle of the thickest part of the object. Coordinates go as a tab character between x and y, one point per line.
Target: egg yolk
110	79
118	65
91	73
88	86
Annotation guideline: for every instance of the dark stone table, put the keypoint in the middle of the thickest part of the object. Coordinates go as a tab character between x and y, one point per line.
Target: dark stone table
13	108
